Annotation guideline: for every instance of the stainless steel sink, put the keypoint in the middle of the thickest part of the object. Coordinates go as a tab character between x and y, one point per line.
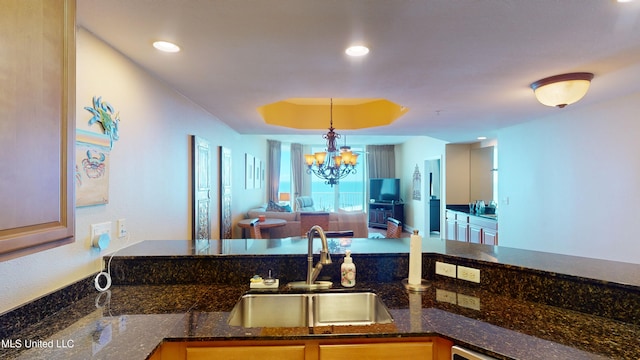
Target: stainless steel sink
361	308
309	309
270	310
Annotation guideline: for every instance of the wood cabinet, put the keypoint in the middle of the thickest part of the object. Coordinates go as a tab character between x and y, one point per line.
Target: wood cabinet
490	237
37	128
462	223
470	228
450	221
395	351
379	212
293	352
457	226
475	234
425	348
487	229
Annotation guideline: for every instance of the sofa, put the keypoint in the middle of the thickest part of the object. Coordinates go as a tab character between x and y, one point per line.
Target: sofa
355	221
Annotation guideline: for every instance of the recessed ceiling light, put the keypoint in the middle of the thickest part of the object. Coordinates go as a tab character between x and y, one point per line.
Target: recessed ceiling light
166	46
482	138
625	1
357	50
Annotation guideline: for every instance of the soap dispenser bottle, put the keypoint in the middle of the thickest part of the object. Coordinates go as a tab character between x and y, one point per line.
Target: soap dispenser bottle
348	271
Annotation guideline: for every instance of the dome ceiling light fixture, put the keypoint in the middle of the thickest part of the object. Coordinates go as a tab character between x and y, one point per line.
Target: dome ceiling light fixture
562	90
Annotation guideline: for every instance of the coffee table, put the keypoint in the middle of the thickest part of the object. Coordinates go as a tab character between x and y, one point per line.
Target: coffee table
265	225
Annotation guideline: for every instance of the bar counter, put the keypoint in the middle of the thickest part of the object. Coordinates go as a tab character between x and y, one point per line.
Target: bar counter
528	305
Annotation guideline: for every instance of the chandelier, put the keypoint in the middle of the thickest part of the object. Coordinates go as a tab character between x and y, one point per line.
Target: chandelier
331	165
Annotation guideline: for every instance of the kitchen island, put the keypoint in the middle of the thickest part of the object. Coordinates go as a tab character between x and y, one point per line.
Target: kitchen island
167	292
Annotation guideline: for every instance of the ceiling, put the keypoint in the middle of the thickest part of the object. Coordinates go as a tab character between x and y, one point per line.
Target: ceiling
462	67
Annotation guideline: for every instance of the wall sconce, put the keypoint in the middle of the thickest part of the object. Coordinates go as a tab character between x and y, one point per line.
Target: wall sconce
562	90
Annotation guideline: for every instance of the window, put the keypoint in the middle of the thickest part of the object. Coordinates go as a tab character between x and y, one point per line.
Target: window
348	194
285	171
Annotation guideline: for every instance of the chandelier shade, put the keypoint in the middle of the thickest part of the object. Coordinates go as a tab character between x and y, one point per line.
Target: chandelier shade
562	90
333	164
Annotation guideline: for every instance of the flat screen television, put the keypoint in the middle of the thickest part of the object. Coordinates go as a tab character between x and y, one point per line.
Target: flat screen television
384	190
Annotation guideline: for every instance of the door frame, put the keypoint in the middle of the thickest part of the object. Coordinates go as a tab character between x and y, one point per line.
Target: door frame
427	197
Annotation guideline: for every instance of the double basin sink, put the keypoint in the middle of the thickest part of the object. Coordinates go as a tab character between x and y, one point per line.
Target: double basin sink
309	309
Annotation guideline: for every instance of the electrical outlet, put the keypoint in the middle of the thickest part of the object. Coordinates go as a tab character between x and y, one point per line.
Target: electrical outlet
445	269
99	229
122	228
470	302
469	274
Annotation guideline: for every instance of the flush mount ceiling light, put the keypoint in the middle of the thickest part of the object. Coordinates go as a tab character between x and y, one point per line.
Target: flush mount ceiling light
562	90
166	46
357	50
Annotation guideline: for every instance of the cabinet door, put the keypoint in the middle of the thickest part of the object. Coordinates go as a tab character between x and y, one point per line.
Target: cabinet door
372	215
293	352
391	351
489	237
475	234
37	136
462	231
451	230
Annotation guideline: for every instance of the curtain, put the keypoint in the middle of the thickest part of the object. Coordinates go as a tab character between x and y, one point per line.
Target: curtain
381	161
297	172
273	183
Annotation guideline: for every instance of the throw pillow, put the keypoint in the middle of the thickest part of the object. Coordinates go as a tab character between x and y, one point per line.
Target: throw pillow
272	206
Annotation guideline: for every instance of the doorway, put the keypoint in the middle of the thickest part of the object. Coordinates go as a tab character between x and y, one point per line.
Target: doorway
433	195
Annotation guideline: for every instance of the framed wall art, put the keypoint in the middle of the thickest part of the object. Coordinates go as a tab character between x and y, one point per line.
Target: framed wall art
92	168
248	171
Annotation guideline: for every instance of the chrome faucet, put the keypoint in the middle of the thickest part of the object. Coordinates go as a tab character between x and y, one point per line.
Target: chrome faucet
313	271
325	258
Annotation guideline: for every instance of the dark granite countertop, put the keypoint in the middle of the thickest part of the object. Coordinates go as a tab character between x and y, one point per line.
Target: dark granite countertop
132	319
465	209
610	272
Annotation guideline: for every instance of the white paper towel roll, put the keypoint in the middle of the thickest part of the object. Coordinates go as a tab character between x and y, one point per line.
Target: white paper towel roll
415	259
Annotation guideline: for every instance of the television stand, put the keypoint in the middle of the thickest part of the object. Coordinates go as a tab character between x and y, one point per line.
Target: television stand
379	212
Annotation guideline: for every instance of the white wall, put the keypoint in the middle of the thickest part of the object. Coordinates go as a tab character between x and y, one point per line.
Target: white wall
409	154
572	181
149	171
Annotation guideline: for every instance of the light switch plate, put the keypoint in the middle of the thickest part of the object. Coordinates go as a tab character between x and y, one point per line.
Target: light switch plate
122	228
445	269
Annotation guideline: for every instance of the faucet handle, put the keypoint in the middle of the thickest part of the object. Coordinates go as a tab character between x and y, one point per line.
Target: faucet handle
325	257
